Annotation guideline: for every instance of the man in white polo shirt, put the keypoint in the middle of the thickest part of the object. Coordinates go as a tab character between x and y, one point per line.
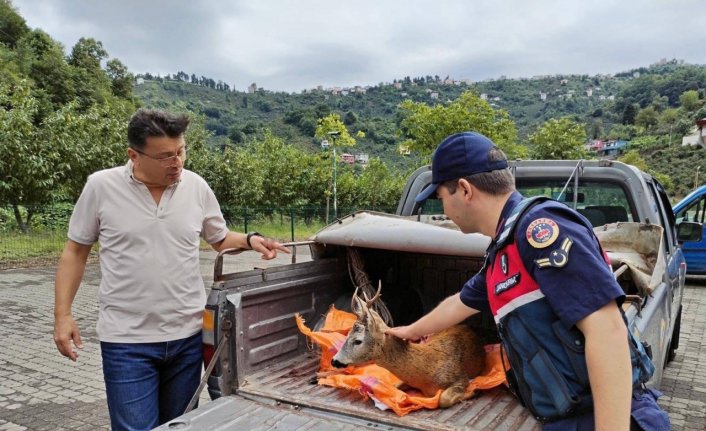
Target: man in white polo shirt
148	217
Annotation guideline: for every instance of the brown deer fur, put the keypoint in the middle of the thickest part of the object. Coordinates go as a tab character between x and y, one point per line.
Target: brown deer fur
446	361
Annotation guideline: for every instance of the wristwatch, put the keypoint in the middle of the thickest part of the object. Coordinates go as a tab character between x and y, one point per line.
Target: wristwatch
250	235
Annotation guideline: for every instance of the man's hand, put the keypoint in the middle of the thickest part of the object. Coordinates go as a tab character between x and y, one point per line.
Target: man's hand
65	332
404	332
267	246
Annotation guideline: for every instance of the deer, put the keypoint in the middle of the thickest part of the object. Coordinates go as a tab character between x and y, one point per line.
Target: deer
446	361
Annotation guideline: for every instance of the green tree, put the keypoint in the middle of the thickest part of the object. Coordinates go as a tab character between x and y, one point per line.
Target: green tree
28	167
689	100
87	141
43	61
378	187
647	118
559	139
121	79
633	158
332	128
91	83
424	127
12	25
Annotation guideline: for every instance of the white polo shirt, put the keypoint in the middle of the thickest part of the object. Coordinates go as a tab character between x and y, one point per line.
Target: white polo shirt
151	287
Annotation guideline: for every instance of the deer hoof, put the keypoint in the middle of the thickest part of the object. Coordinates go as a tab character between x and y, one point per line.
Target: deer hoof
451	396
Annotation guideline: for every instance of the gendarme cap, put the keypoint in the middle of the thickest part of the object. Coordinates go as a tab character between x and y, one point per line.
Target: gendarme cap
459	156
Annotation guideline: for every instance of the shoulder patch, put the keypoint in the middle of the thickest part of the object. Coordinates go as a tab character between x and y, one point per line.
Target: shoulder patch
542	232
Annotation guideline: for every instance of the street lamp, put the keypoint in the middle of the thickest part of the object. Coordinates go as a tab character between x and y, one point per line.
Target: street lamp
334	134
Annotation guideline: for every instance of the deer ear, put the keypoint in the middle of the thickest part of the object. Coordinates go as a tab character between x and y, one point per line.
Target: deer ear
357	308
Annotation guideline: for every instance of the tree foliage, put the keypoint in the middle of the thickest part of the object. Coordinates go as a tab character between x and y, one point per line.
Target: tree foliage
424	126
332	128
27	173
12	25
558	139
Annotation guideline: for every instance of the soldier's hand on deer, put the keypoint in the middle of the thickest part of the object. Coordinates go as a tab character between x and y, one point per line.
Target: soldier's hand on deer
404	332
446	362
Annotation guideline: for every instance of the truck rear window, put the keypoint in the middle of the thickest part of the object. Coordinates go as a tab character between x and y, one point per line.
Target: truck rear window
599	202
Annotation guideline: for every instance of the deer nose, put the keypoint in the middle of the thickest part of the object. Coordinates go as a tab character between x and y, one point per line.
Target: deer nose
337	364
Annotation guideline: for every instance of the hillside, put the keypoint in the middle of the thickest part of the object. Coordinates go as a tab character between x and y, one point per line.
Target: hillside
600	102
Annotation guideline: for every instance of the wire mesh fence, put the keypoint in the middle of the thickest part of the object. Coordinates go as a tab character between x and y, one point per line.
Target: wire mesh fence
36	236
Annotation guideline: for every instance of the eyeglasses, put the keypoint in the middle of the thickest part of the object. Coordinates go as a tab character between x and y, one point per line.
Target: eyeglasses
166	161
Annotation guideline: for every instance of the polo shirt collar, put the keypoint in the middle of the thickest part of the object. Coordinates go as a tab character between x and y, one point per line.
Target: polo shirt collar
128	173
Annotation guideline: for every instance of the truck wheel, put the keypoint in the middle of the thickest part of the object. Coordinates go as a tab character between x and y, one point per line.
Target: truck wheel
674	343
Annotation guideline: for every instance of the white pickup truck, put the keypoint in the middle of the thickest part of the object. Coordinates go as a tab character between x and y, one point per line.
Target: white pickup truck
263	374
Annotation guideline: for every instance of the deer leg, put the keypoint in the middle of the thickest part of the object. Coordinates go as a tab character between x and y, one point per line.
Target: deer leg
453	394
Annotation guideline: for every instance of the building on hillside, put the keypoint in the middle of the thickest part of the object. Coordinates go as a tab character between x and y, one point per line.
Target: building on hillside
348	158
542	96
362	158
140	80
252	88
325	144
697	137
434	95
595	145
612	149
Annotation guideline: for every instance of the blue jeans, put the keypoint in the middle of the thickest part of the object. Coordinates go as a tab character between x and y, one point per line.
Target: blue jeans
148	384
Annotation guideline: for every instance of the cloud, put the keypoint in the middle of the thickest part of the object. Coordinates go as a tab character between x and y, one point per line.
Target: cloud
291	45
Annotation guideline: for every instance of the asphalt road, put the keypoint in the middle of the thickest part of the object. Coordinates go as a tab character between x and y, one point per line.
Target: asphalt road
41	390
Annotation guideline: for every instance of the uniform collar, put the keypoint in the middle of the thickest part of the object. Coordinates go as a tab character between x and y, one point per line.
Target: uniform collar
514	199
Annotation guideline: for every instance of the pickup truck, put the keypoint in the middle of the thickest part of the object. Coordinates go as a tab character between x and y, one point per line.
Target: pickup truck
262	370
693	208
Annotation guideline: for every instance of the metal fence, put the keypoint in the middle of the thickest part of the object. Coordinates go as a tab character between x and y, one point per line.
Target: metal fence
44	238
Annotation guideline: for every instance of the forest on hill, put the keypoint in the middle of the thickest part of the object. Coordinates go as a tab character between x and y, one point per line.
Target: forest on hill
64	112
653	106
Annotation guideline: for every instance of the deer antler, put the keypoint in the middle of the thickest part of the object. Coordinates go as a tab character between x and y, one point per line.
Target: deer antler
369	301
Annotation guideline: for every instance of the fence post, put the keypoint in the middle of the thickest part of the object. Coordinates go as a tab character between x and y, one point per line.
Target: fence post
245	220
291	221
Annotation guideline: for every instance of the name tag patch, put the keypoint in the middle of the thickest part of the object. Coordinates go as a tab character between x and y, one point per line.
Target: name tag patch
507	284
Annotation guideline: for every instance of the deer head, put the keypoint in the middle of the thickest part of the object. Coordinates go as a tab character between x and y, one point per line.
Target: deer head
366	337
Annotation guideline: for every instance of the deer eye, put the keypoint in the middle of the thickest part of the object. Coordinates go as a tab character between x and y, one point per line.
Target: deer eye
357	342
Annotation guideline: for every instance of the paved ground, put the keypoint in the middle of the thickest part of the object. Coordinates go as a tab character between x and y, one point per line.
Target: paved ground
41	390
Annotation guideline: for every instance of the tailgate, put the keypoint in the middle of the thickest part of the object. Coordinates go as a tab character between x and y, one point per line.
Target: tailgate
237	413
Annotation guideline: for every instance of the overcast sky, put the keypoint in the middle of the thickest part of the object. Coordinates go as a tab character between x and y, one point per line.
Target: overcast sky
297	44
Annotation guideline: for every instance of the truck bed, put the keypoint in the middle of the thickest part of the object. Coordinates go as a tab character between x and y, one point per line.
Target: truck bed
293	382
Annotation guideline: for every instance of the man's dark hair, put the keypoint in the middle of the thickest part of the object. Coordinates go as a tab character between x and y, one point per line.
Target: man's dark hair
152	122
497	182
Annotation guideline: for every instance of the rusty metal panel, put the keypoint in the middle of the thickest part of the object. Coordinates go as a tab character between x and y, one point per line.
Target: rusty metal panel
264	306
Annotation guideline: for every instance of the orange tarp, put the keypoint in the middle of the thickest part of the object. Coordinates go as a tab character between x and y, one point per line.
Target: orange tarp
375	382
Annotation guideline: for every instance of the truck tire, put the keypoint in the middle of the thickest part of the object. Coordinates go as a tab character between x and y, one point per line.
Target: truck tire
674	342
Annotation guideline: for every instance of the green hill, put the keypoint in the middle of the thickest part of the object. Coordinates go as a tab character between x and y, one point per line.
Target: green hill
630	104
